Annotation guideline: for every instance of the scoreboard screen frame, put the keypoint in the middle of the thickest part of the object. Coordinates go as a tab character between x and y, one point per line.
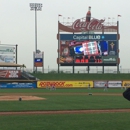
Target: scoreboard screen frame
72	53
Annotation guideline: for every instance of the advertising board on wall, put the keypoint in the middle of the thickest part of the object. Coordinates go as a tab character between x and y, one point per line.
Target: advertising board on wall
10	73
114	84
7	58
64	84
17	85
84	37
99	84
109	59
126	83
7	54
7	50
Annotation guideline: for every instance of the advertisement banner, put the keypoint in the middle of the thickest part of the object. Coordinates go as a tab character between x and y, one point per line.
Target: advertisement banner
10	73
114	84
126	84
7	50
38	64
38	55
112	47
64	84
38	59
17	85
83	37
109	59
99	84
7	58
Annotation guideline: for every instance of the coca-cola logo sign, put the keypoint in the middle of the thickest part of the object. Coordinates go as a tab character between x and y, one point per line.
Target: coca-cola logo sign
94	24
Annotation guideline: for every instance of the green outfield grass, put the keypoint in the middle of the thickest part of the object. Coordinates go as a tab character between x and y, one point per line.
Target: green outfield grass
104	121
61	90
65	99
82	76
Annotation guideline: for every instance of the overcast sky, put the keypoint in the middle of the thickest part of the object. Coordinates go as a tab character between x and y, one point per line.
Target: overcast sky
17	25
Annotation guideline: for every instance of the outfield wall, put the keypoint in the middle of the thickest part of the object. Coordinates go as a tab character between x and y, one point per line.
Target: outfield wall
84	84
18	85
69	84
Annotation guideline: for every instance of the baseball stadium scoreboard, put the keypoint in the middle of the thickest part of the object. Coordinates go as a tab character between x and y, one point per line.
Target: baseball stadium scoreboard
88	41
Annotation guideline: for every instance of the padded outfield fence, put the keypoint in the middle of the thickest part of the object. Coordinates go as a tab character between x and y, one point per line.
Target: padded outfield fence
69	84
69	81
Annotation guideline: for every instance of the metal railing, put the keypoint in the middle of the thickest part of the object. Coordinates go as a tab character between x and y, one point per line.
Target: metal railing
28	75
68	71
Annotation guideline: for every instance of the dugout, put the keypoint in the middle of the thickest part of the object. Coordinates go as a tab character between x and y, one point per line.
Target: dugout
12	72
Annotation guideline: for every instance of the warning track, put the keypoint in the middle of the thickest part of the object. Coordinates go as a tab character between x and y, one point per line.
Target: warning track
65	112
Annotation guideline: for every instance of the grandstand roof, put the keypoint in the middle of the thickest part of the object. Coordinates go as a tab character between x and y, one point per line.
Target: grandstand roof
3	64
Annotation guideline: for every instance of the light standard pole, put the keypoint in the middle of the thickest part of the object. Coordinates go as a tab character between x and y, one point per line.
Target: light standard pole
35	7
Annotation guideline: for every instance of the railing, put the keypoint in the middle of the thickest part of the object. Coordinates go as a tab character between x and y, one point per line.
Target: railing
98	71
28	76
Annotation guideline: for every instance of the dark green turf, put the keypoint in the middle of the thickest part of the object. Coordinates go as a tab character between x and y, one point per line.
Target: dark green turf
82	76
104	121
65	99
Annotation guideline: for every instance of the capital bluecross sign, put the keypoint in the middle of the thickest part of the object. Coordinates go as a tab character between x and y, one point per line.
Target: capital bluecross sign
83	37
109	59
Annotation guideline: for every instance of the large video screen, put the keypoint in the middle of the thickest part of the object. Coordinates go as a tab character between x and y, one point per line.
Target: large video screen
88	52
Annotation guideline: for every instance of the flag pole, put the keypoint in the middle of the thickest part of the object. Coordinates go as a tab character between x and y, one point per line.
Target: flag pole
72	19
118	17
58	44
118	40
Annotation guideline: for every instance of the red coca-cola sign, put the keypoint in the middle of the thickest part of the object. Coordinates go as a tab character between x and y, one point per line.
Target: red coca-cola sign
94	24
